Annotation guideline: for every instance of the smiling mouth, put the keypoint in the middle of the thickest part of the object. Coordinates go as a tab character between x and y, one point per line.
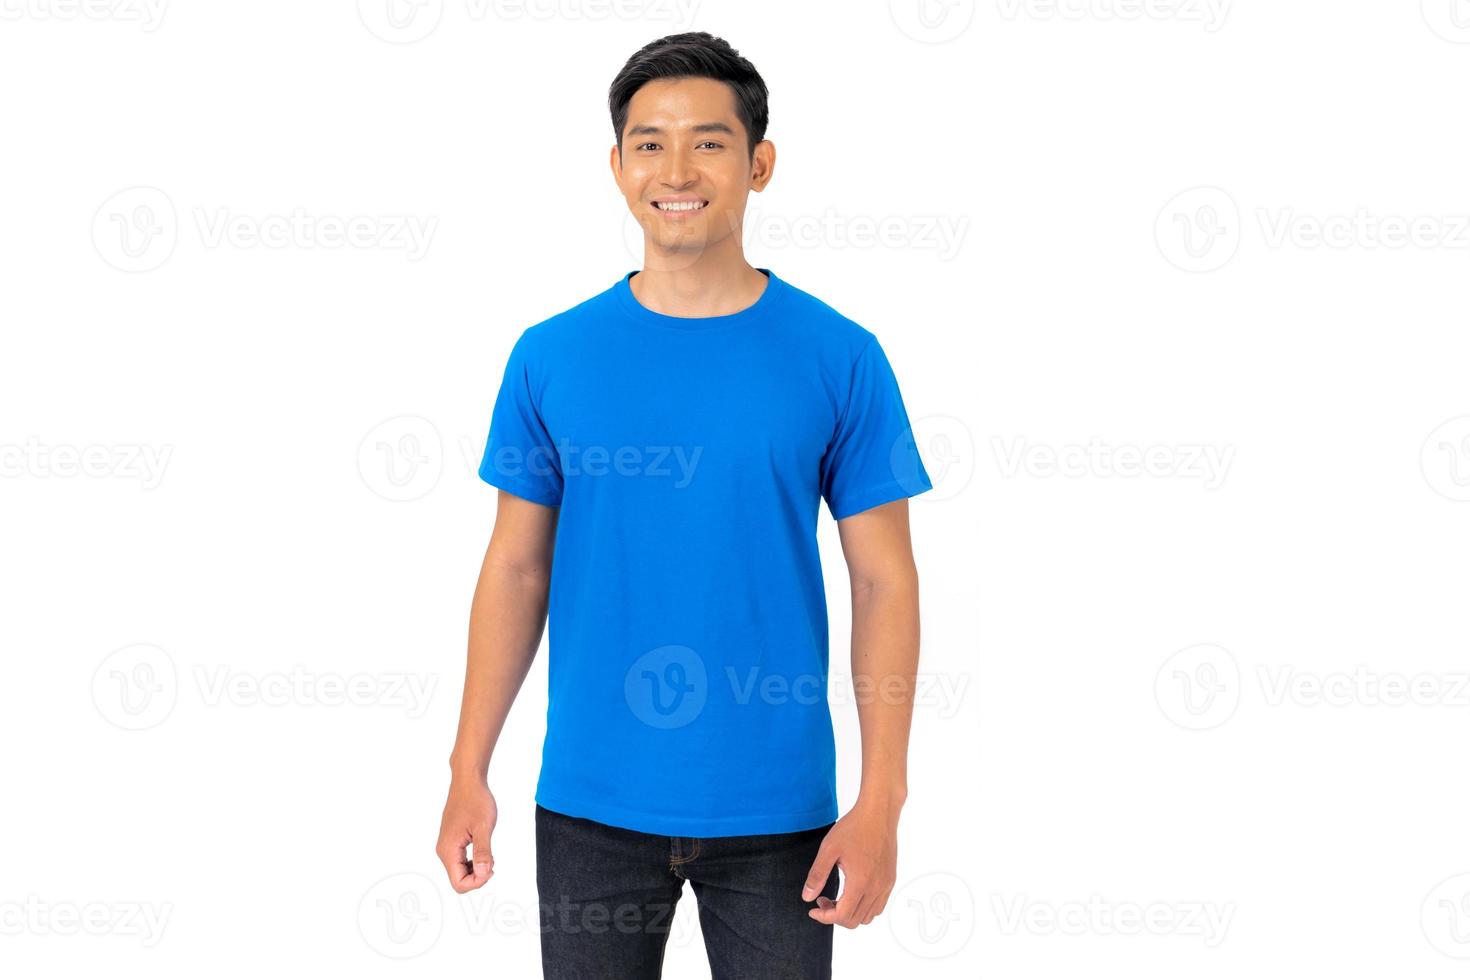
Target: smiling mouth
675	207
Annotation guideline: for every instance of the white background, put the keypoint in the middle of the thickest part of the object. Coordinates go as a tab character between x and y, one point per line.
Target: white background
1223	696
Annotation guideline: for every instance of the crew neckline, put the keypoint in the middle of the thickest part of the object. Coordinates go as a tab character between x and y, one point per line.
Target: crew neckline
624	292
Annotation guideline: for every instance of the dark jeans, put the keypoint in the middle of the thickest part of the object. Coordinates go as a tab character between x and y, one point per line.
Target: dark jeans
607	899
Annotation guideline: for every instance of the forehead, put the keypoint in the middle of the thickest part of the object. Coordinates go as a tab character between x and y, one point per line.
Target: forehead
682	103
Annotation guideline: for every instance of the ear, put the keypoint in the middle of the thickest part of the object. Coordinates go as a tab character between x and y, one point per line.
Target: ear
763	165
615	161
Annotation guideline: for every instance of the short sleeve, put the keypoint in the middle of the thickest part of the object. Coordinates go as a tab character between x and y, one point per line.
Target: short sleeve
872	459
519	454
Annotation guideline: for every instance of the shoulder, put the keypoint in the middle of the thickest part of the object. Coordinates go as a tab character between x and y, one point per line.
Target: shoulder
563	331
816	321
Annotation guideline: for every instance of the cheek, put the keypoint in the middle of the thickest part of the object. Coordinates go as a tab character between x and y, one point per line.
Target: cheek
730	186
635	179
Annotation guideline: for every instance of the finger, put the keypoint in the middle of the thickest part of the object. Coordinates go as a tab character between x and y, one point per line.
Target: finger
879	905
452	855
832	915
816	878
484	860
864	913
848	903
460	876
840	914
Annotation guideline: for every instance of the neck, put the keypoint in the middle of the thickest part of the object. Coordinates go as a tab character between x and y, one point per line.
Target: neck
713	282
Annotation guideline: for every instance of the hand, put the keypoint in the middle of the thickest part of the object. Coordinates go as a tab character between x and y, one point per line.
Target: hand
864	845
469	816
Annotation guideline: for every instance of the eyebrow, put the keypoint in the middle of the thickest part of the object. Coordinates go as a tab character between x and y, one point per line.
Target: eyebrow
709	127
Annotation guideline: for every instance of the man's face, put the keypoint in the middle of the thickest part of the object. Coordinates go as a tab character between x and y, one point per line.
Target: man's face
686	168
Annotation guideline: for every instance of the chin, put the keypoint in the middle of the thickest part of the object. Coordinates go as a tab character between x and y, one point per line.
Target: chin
689	242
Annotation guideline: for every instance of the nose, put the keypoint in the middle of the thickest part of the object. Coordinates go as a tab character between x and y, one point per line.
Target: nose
678	169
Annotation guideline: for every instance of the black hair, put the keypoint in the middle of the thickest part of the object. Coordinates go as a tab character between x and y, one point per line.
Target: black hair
697	54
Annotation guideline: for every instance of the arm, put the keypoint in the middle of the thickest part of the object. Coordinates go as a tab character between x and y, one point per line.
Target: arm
885	656
506	619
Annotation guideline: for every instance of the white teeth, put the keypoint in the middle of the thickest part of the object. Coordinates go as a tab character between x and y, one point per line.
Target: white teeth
679	205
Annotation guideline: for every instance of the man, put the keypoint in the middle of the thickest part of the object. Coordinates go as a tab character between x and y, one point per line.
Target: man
669	440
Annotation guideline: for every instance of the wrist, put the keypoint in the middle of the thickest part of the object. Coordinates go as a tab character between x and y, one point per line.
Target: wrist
468	770
888	798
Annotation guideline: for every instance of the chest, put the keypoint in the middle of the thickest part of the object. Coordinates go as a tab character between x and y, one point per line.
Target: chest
721	406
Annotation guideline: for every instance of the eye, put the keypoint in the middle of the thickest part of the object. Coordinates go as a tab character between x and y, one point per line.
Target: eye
712	143
642	145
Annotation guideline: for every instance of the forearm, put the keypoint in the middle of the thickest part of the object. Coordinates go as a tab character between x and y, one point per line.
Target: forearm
506	619
885	657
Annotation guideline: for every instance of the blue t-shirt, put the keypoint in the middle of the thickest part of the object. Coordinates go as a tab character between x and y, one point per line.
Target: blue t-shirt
688	623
